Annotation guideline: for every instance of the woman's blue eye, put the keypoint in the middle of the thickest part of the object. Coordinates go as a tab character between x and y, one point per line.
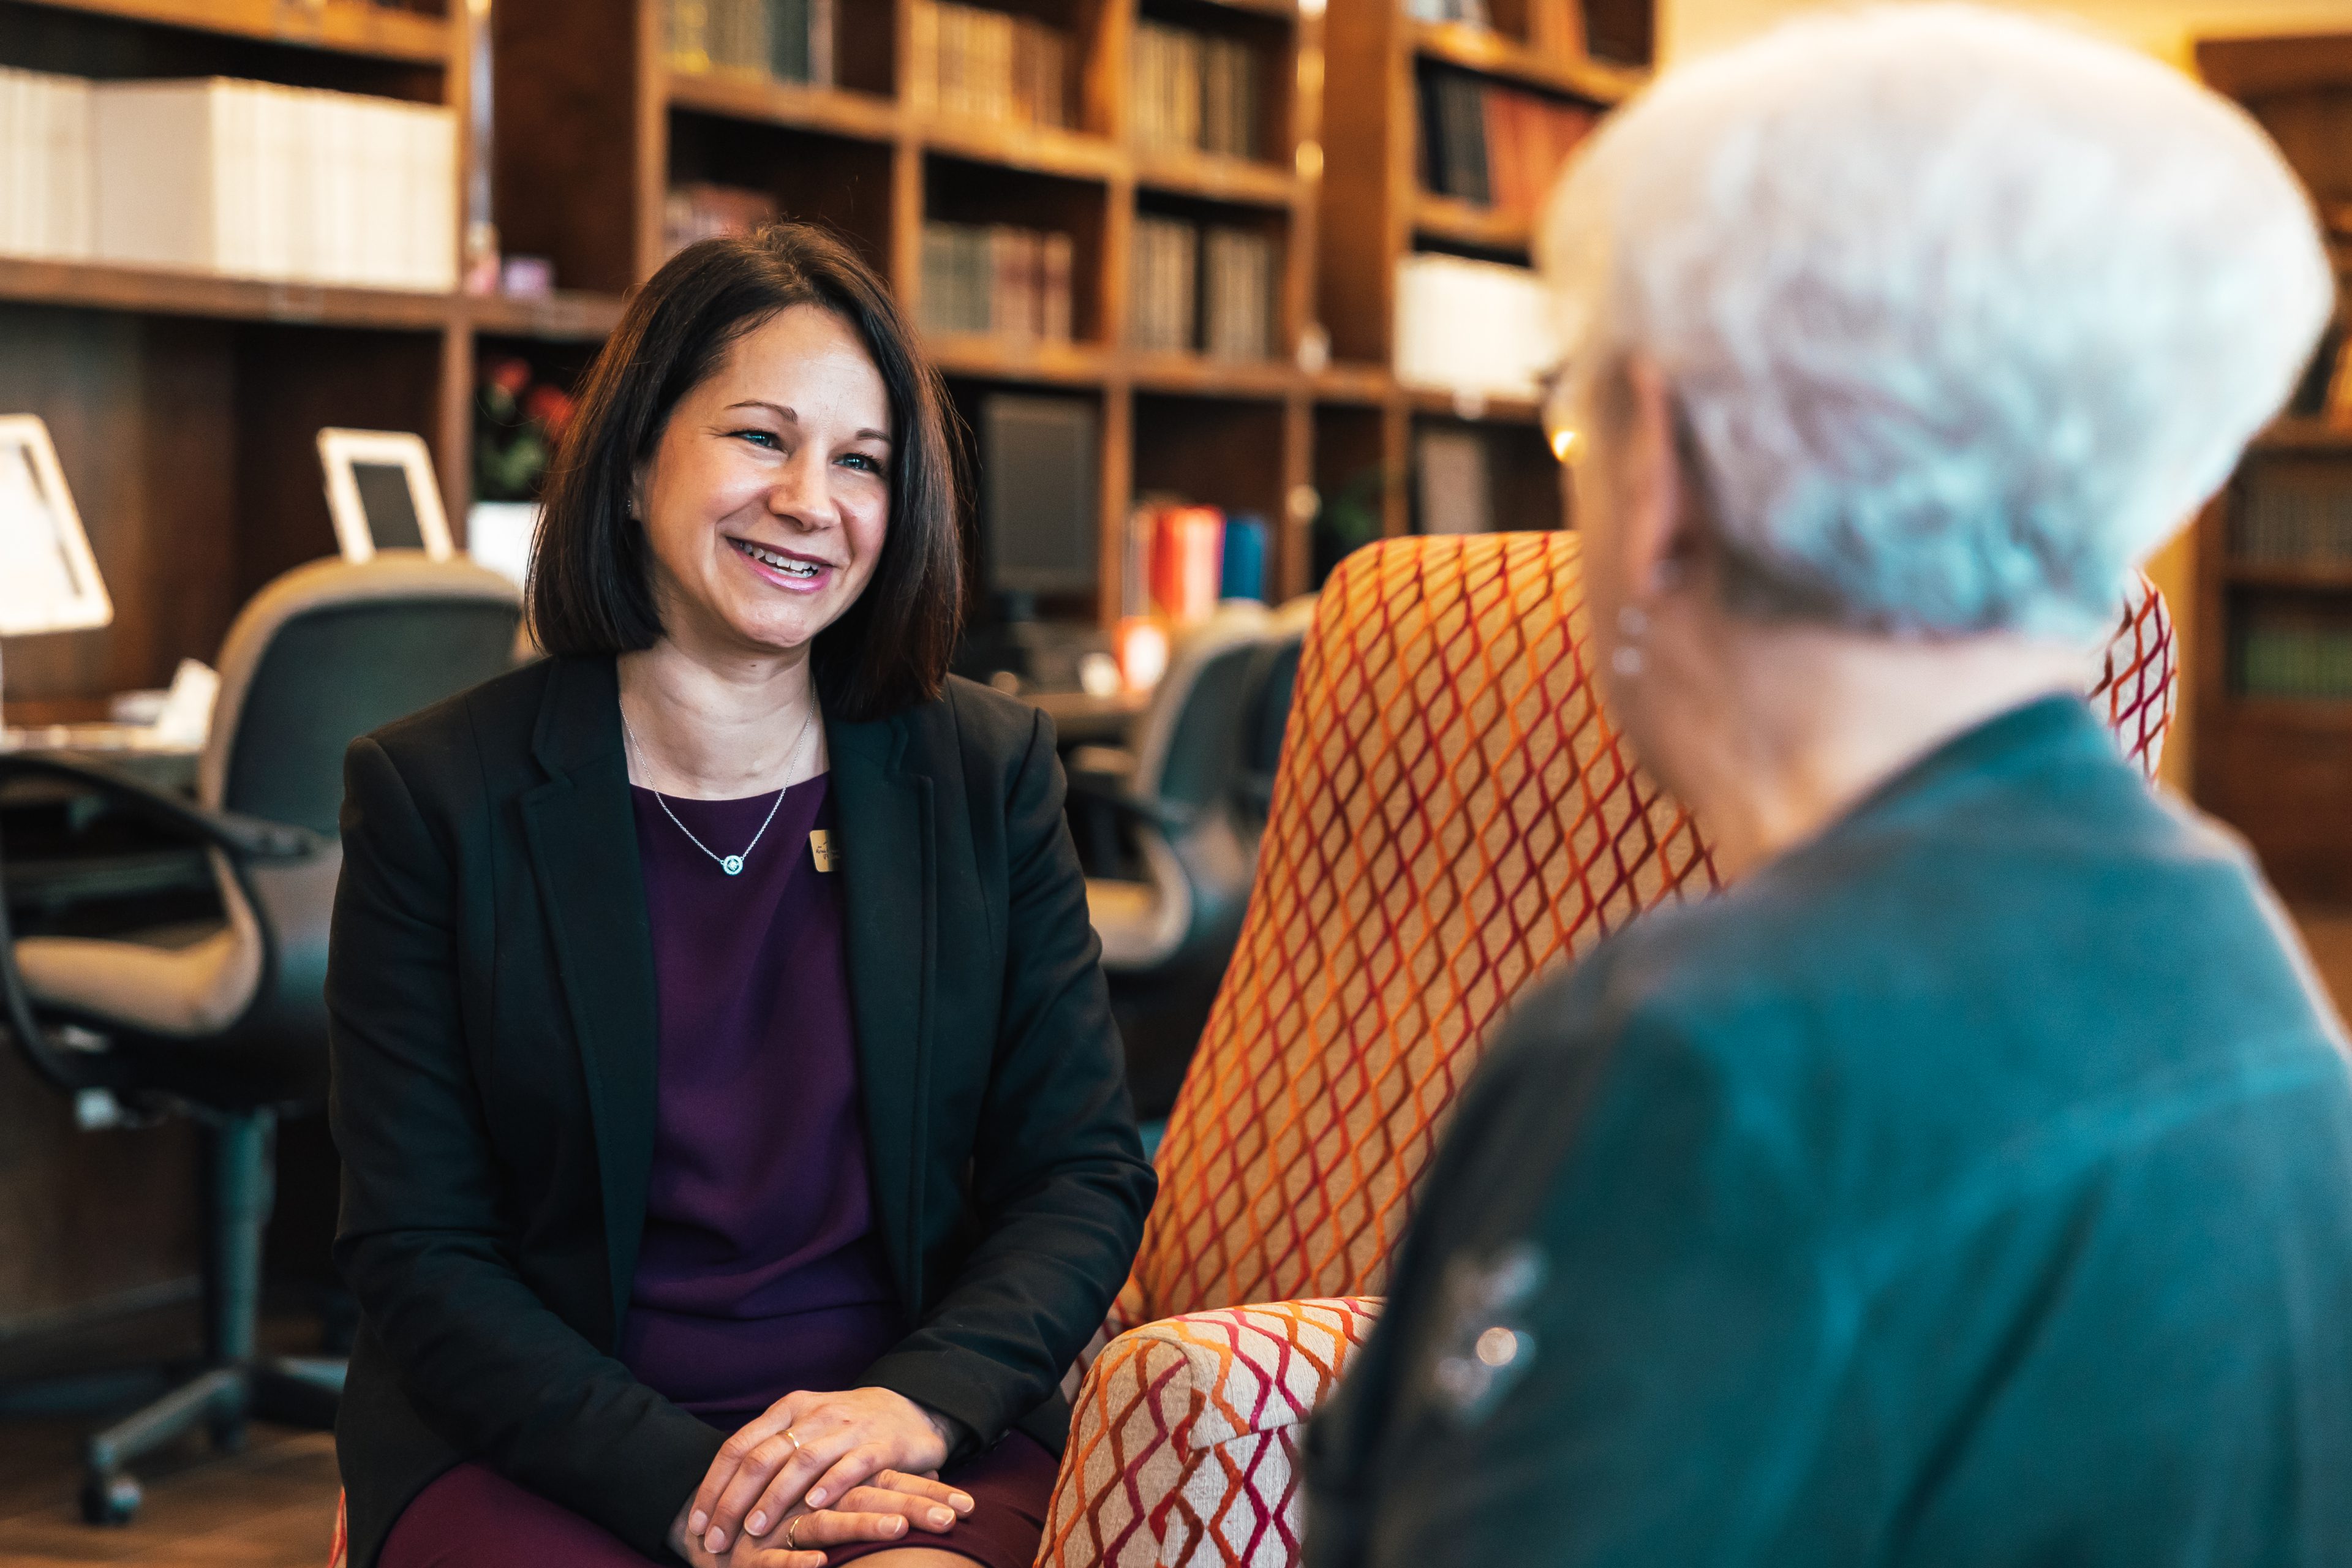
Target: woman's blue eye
761	438
872	465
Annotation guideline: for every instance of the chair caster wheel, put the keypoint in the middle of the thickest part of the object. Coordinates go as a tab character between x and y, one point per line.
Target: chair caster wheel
110	1499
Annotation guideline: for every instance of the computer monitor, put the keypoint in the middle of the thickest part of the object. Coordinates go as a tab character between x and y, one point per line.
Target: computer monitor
1041	500
382	493
49	579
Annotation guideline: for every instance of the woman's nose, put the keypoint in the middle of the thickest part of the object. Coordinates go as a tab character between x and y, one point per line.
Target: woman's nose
800	494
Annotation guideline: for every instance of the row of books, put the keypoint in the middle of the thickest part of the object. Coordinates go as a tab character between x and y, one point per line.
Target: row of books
1494	145
998	279
1194	290
1473	328
785	40
1182	559
1195	92
699	210
2294	656
2286	524
988	65
242	179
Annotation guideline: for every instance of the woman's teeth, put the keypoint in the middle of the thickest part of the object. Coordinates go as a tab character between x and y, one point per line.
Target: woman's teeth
784	564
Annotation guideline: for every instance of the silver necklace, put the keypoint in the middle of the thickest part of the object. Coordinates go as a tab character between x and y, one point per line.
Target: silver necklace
730	864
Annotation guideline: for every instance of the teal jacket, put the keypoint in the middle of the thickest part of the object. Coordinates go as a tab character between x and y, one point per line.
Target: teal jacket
1972	1185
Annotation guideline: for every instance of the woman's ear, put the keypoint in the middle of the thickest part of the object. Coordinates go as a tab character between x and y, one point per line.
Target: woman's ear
1659	524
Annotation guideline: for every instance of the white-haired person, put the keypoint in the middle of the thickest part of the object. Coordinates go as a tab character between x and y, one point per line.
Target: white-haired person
1971	1182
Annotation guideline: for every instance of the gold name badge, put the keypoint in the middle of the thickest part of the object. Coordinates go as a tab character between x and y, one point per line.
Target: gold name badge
821	847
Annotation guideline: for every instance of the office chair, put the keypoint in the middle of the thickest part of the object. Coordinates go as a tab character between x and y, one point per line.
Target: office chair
1170	855
1266	713
227	1023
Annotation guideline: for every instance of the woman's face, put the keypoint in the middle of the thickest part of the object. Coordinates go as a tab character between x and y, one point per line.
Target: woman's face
767	499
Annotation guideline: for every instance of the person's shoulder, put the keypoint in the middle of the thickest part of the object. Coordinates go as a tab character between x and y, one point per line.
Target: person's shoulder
988	732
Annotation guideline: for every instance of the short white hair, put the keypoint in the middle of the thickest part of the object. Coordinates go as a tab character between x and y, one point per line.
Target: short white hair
1964	313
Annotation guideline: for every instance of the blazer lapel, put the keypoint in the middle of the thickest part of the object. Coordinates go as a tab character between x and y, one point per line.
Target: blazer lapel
584	849
885	818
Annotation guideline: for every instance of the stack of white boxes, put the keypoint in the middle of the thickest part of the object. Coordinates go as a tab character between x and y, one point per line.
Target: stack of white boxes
238	179
1472	327
45	166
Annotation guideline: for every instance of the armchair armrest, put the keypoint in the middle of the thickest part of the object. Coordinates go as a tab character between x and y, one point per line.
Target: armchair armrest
242	837
1184	1438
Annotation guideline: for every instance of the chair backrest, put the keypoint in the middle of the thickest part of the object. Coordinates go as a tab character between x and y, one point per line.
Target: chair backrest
331	650
1453	816
1186	740
1273	681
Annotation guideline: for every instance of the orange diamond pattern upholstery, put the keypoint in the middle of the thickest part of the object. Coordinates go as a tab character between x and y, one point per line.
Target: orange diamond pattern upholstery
1453	816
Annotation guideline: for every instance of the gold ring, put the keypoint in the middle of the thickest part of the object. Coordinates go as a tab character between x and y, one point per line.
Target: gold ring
790	1436
791	1525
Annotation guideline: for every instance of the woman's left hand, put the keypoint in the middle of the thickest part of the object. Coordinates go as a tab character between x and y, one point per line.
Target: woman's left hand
809	1450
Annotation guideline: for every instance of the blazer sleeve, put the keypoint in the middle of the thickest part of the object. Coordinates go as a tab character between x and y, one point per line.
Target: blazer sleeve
1058	1180
1672	1329
484	1362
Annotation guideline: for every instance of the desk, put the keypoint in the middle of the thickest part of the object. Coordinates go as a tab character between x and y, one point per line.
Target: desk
1080	720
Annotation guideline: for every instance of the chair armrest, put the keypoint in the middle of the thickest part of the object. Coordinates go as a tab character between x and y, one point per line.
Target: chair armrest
1089	789
1103	767
1189	1426
242	837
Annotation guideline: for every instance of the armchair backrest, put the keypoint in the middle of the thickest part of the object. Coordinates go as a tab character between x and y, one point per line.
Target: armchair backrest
1186	740
1452	817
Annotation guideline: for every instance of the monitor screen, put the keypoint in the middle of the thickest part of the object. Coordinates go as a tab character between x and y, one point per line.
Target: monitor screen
390	506
1041	502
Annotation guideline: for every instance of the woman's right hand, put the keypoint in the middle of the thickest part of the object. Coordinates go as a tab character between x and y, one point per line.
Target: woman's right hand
884	1508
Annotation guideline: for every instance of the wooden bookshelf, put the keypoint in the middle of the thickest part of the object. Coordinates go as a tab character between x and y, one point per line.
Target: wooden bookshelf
590	128
2279	767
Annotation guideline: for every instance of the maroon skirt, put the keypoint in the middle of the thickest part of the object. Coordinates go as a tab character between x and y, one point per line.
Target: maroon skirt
472	1517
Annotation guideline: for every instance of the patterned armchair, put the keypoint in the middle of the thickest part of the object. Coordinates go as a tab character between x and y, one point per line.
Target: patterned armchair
1453	816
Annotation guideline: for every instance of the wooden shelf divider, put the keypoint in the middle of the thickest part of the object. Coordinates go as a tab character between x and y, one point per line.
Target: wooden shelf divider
740	96
343	27
1490	53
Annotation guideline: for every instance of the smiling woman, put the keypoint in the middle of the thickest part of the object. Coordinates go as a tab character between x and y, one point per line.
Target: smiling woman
735	1140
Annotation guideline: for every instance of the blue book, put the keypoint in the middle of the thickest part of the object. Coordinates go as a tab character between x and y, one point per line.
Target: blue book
1244	573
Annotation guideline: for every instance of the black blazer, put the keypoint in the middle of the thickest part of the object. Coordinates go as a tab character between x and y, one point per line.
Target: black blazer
492	996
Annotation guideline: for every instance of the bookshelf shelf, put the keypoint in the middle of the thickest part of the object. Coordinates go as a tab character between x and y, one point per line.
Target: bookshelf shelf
1471	406
2292	578
1216	179
1491	54
343	27
736	96
566	316
1199	375
100	286
1032	149
1014	360
2292	434
1359	384
1287	10
1455	221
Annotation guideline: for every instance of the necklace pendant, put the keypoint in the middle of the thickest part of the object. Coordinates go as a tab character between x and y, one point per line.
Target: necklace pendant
732	865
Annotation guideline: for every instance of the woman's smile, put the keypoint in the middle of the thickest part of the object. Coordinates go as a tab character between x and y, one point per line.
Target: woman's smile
786	569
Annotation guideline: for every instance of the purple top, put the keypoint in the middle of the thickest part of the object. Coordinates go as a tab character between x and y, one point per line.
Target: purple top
759	1271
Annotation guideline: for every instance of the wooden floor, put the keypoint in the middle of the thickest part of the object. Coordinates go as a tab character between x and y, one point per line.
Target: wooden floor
274	1505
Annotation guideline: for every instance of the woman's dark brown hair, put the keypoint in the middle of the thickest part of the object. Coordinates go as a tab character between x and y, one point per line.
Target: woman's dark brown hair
591	589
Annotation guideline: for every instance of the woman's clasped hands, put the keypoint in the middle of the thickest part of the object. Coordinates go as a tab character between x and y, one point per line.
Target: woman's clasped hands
819	1470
